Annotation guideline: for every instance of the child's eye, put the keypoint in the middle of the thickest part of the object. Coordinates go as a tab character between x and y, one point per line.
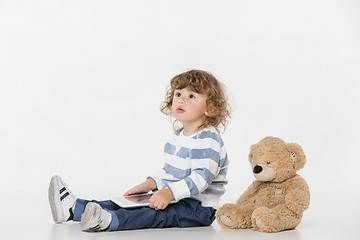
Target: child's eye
191	96
178	94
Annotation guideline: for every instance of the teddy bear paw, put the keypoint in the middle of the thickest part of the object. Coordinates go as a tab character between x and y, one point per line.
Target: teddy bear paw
258	224
227	221
229	216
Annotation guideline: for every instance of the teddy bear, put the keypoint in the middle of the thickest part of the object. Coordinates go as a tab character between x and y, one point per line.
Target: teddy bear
276	200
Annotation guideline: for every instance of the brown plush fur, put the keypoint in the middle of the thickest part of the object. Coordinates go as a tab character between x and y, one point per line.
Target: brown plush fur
277	199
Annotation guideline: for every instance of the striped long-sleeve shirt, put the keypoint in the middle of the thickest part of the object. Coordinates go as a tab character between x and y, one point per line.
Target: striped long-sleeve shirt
195	166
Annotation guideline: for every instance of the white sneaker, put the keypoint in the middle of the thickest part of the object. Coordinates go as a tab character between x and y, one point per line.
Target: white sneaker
61	200
95	218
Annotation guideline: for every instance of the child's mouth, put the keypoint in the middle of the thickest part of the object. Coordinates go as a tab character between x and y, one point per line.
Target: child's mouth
180	110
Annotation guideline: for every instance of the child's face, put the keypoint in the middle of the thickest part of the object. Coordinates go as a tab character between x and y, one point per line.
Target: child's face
189	107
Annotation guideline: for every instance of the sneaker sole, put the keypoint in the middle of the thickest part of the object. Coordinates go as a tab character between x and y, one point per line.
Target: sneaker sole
87	216
54	197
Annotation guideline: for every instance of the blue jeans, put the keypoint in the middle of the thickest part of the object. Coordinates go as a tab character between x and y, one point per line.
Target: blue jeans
185	213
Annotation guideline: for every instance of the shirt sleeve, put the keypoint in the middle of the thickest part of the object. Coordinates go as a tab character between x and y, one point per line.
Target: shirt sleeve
204	161
157	177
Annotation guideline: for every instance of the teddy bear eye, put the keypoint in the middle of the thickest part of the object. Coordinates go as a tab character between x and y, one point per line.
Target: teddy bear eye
268	162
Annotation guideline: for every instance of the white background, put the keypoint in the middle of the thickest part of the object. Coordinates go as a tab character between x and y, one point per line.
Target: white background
81	84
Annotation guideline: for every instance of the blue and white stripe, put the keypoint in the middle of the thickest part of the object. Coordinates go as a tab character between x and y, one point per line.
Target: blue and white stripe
195	166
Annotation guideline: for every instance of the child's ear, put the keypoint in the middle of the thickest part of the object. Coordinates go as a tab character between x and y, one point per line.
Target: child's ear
211	112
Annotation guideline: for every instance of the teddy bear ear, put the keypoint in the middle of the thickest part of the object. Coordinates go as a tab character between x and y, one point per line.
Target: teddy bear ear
297	155
251	153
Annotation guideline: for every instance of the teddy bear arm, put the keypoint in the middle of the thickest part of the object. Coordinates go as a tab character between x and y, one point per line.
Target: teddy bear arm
298	198
249	196
245	199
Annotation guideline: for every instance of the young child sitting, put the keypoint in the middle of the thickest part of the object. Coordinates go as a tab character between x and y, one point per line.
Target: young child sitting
194	172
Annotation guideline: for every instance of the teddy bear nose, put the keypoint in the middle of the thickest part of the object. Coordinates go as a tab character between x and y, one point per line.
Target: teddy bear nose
257	169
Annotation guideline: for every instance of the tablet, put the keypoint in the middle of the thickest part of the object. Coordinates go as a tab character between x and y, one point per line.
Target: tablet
134	201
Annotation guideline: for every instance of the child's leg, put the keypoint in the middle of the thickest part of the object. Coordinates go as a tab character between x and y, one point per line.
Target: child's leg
190	213
185	213
95	215
80	205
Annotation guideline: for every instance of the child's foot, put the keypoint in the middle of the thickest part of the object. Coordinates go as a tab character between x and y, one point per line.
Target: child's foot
95	218
61	200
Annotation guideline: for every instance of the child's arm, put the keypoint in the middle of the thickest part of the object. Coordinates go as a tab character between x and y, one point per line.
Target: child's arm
207	158
144	187
161	199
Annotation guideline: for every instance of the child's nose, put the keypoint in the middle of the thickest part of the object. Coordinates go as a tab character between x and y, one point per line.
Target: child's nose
181	100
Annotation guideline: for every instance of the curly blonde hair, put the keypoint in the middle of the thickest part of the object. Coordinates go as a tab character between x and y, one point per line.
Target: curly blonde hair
201	82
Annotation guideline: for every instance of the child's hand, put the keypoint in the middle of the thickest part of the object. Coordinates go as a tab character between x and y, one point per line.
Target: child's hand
144	187
161	199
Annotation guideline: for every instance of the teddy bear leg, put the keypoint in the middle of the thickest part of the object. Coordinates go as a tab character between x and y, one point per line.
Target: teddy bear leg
265	220
288	219
231	216
277	219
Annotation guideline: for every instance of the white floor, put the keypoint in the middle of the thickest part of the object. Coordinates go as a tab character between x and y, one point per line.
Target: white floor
327	218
